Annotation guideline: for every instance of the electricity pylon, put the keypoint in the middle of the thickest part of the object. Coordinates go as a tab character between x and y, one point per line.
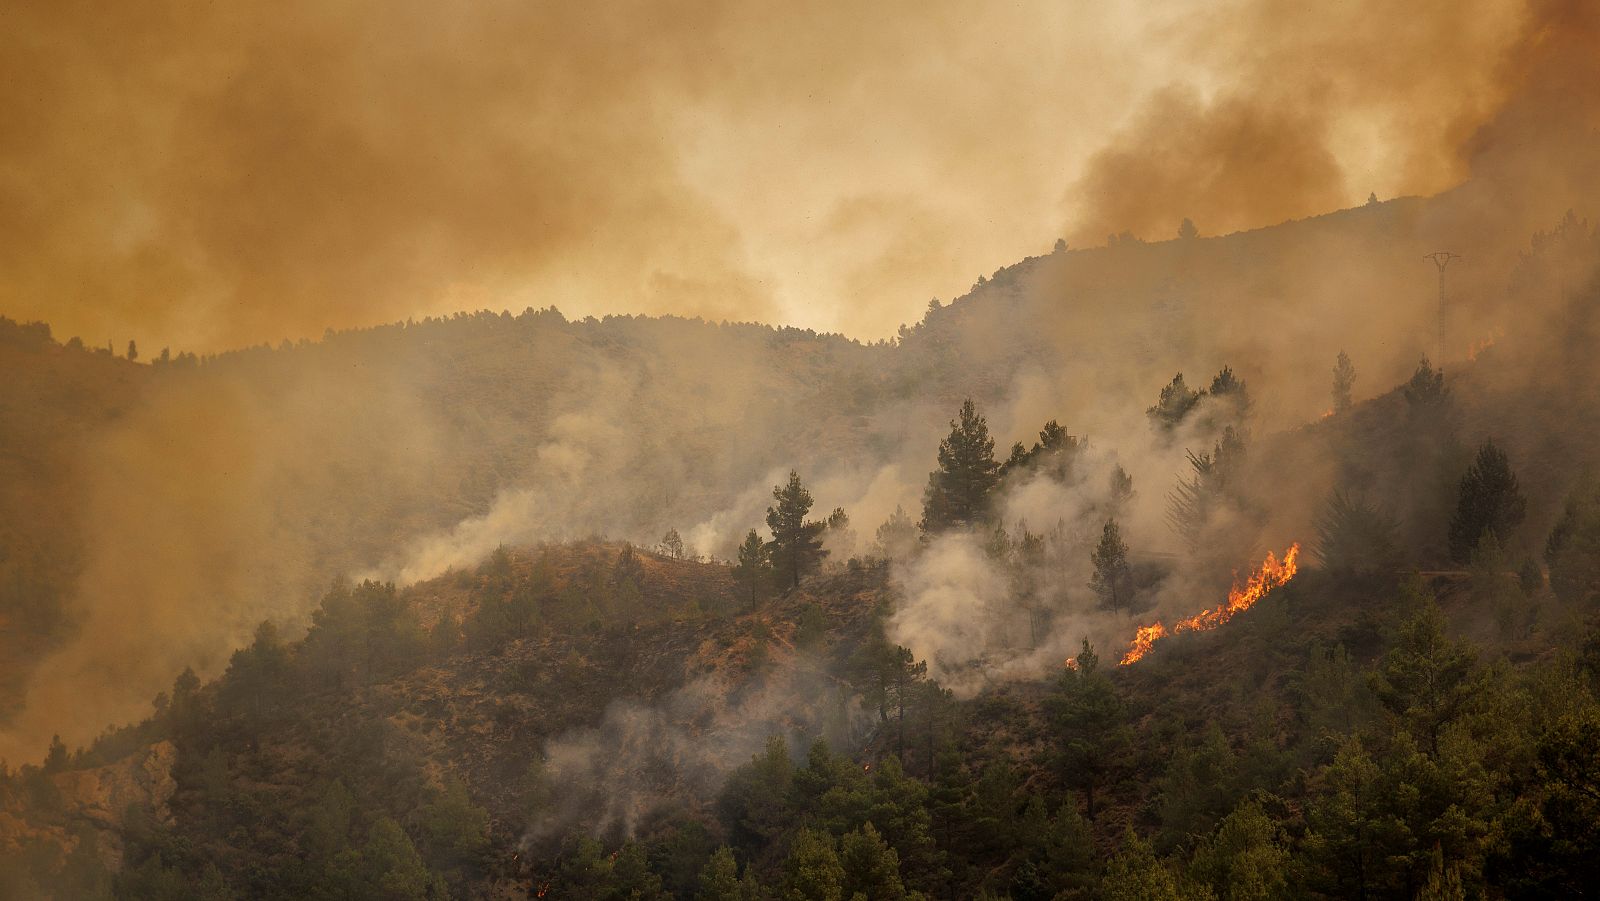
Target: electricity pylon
1441	259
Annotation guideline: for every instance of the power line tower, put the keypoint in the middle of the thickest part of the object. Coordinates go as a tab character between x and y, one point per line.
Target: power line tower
1441	259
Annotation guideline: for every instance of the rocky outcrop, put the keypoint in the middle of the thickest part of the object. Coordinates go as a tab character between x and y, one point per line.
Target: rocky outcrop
102	795
96	798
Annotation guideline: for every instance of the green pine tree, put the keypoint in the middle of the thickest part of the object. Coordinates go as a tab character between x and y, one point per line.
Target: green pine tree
1175	403
1113	578
812	871
753	571
958	491
1489	499
796	547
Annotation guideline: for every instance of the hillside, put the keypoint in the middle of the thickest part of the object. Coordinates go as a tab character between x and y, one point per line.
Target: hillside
637	684
208	494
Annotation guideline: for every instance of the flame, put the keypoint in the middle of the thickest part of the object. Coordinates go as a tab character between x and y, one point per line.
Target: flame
543	890
1479	347
1071	663
1240	598
1143	639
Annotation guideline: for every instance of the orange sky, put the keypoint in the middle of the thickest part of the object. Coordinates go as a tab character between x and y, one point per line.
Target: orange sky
209	175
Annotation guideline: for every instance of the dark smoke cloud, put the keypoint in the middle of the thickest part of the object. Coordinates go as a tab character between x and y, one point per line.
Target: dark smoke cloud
226	174
210	175
1311	107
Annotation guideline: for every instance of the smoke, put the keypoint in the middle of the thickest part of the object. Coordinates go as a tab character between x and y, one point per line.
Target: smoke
606	778
208	176
1298	111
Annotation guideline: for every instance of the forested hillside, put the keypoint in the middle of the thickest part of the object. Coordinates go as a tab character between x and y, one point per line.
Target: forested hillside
594	631
206	493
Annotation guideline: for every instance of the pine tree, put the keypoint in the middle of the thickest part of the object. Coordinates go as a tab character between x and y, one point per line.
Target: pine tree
1229	388
1573	548
796	544
1136	874
1489	499
1052	455
1354	536
1119	492
1344	382
1113	579
391	866
1174	404
871	867
1427	681
1246	859
719	881
1444	881
1426	393
958	491
1089	716
672	544
890	678
1187	230
754	569
897	537
1191	505
812	871
455	830
839	538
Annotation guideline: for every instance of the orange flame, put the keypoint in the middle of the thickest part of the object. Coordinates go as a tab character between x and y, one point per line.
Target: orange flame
1271	574
1143	640
1479	347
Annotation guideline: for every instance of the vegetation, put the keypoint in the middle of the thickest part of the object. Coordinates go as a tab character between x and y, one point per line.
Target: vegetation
958	491
593	720
796	546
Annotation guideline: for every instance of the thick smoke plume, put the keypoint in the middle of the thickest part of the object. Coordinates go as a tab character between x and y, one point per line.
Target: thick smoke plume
207	175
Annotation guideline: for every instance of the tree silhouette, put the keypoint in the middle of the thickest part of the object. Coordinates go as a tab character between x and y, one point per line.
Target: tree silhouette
1112	580
754	567
796	543
958	491
1344	382
1488	499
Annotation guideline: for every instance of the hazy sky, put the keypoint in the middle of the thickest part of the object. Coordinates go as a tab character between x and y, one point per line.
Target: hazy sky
207	175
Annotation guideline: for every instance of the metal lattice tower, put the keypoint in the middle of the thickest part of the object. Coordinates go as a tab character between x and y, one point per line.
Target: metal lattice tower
1441	259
